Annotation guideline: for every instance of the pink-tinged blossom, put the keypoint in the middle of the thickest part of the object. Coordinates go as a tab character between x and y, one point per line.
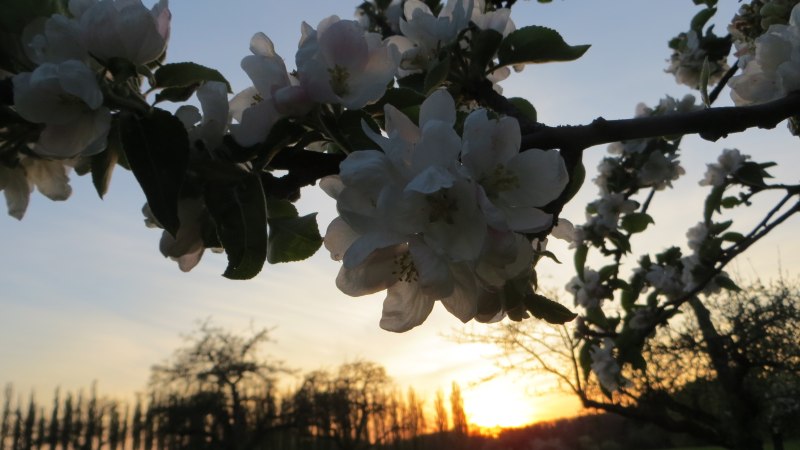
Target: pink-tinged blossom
341	63
274	94
123	28
66	98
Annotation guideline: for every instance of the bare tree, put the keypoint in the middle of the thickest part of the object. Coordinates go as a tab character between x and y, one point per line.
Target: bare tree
213	376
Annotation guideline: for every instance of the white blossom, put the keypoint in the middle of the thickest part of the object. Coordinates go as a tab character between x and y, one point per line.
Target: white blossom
123	28
66	98
341	63
666	279
609	208
774	69
660	170
686	62
728	163
605	367
409	222
696	236
517	183
588	292
49	177
423	34
54	40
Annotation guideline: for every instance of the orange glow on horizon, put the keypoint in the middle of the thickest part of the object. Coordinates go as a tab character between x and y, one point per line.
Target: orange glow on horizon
503	403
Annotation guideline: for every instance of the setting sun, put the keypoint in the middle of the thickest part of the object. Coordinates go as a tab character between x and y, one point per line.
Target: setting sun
498	403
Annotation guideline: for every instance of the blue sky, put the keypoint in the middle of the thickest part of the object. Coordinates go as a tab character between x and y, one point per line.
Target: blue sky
87	296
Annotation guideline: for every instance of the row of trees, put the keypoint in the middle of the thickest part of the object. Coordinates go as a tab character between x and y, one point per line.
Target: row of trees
219	392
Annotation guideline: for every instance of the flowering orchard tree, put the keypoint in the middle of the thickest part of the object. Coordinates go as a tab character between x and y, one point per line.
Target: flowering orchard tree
446	190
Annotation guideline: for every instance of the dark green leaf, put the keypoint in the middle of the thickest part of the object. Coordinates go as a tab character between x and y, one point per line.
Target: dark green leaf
548	310
535	44
732	236
103	163
585	359
483	47
349	125
414	82
628	298
436	75
705	73
400	98
726	283
701	18
186	74
580	259
713	202
157	149
730	202
576	179
751	173
525	107
281	209
177	94
15	15
636	222
293	238
240	214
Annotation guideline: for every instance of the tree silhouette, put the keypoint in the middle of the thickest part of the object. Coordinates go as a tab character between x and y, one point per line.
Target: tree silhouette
203	393
726	371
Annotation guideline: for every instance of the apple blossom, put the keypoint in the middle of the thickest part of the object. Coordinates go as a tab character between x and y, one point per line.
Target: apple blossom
660	170
666	279
686	62
517	183
697	235
341	63
772	70
67	99
605	367
123	28
728	163
210	126
425	34
17	183
588	291
54	40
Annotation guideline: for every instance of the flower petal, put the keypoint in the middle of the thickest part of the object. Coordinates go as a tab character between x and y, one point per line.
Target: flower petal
378	272
405	307
339	237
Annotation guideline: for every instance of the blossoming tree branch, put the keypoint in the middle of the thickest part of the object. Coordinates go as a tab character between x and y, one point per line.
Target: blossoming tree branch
446	189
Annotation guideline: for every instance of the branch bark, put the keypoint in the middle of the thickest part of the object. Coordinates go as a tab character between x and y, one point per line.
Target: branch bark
710	124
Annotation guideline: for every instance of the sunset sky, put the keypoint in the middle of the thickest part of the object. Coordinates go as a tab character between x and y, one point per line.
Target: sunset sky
87	296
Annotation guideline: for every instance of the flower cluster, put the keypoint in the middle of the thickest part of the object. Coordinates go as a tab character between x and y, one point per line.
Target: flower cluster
438	216
63	92
771	64
727	164
689	54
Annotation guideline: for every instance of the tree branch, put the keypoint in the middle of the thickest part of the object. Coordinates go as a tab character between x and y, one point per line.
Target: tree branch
711	124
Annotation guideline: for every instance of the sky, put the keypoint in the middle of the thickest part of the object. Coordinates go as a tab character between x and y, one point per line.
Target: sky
87	296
